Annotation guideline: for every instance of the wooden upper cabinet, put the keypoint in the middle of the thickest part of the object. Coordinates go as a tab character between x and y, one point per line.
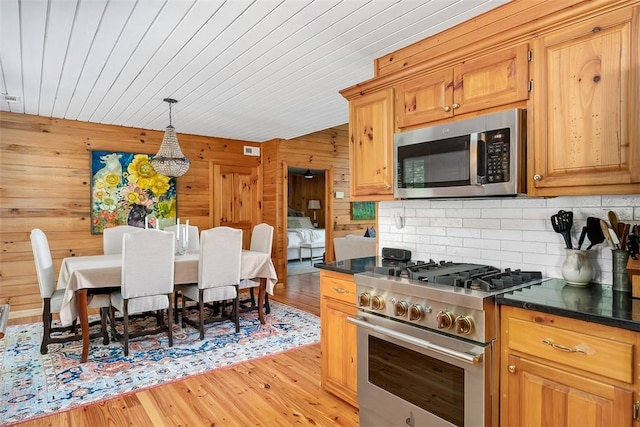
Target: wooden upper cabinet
492	80
371	146
586	96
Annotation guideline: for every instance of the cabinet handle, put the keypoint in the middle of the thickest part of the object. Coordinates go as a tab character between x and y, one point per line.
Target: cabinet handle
455	105
511	369
563	347
446	108
537	177
341	290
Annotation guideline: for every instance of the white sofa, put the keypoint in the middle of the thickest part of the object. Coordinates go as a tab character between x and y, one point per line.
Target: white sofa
352	246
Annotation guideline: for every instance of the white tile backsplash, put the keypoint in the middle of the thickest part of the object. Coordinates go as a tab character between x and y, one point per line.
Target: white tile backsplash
506	233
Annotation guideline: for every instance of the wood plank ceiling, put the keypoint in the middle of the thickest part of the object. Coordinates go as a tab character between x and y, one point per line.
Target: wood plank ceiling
243	69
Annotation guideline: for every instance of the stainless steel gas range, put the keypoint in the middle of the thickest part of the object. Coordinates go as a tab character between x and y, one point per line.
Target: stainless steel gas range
426	337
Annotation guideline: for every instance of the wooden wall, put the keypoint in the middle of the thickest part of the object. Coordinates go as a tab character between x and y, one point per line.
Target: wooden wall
327	150
301	190
45	183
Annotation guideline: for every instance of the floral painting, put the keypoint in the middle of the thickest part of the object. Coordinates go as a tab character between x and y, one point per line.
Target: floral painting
125	189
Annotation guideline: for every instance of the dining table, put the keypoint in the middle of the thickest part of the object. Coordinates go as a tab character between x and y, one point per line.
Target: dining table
80	274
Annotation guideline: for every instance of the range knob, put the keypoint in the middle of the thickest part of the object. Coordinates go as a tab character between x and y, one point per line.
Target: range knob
400	308
445	319
365	299
464	324
416	312
377	302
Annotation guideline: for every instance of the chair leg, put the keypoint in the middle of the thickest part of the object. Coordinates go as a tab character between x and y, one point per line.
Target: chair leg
46	323
267	308
252	297
236	310
201	307
175	307
103	324
170	320
112	320
126	328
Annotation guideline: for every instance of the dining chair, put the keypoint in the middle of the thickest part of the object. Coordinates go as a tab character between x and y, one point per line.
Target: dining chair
261	241
218	276
52	298
112	238
193	245
193	236
147	282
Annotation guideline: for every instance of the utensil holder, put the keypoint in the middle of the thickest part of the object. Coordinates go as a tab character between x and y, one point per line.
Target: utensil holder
577	268
621	281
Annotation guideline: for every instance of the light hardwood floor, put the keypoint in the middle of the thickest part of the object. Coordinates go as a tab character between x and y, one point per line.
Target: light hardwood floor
279	390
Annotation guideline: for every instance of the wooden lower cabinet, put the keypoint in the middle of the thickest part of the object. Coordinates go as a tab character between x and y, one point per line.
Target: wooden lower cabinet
338	337
557	371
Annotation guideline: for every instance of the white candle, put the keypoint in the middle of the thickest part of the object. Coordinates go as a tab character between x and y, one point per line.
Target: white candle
186	233
184	236
178	230
146	222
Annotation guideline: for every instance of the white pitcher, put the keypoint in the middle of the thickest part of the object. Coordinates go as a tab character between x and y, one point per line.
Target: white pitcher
577	268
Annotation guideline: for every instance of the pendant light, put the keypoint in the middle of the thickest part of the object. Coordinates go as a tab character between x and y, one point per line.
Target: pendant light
308	174
170	161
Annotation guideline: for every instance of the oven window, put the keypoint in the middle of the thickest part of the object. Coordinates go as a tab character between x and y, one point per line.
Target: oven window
442	163
433	385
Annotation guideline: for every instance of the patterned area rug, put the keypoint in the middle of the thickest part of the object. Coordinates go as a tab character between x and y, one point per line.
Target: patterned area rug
35	385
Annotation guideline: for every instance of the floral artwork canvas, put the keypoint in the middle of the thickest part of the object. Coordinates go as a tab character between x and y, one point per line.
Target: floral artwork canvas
125	189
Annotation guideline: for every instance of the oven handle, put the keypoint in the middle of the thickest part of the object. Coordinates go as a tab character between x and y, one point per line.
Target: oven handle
472	359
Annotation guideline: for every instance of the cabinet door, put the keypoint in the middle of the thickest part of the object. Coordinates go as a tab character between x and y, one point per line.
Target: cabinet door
371	146
425	99
497	79
586	125
539	395
338	344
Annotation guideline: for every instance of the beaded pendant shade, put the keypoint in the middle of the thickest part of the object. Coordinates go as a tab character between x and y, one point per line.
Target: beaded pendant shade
170	161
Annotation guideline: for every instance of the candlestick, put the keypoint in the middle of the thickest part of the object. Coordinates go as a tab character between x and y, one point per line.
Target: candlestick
178	230
186	233
146	223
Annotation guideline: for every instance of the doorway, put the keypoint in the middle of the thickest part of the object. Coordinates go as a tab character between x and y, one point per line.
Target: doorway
308	197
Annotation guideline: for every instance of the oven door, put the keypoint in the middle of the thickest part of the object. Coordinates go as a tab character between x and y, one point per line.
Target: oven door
411	376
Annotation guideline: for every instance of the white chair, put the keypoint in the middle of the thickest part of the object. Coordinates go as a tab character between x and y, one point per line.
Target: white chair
218	275
261	241
52	297
112	238
147	281
193	236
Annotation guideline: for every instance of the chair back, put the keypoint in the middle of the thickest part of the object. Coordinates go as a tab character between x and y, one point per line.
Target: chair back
262	238
220	257
112	238
193	233
44	263
147	263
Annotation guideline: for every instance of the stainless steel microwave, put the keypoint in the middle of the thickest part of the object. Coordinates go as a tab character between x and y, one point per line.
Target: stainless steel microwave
479	156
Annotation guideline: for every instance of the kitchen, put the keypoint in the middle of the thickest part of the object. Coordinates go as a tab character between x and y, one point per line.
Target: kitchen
577	160
506	232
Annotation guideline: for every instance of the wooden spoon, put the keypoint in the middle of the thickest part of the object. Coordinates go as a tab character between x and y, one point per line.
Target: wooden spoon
613	220
607	235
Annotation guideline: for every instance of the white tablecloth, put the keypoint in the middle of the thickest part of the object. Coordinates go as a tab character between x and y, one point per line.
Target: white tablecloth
103	271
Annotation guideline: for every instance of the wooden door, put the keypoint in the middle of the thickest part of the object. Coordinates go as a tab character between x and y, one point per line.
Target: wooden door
236	198
371	146
539	395
500	78
585	108
425	99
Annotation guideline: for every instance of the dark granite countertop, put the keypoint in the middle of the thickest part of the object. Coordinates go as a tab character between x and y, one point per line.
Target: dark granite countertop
352	266
593	303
